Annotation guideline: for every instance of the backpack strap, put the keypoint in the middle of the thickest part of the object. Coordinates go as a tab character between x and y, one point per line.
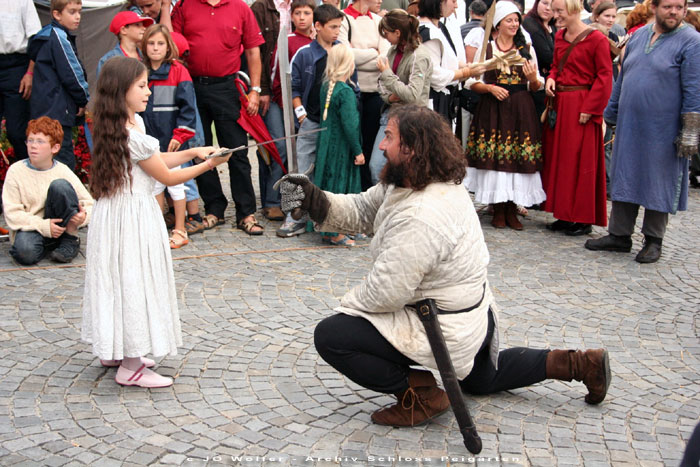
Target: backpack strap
349	27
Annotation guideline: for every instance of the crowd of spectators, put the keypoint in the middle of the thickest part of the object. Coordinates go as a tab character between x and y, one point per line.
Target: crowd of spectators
528	100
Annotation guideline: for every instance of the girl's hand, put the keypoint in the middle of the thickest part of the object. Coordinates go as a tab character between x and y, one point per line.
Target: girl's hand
382	63
204	151
499	92
393	99
360	159
219	160
550	86
583	118
174	145
530	71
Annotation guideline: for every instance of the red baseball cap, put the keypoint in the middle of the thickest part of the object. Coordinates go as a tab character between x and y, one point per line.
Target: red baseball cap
180	42
125	18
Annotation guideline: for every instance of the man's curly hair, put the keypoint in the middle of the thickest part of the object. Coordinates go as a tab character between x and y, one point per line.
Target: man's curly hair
437	153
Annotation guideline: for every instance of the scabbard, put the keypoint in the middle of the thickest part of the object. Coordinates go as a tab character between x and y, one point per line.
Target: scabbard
427	312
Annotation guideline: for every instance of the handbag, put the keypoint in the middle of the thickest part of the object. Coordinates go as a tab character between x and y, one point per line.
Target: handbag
550	114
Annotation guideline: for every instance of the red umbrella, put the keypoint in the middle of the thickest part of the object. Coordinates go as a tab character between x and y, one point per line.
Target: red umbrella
255	126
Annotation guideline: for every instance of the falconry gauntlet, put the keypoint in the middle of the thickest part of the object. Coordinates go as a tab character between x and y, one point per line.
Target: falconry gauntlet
689	137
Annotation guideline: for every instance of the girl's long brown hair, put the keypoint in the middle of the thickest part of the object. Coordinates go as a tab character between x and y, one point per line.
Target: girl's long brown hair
111	163
407	25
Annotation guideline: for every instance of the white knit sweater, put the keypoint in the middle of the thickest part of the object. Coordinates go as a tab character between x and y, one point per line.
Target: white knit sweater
366	45
24	196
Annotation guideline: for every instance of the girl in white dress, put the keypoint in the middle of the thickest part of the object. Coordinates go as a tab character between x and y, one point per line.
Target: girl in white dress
130	306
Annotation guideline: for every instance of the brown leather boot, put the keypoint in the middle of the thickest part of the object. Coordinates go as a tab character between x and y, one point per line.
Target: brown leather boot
512	216
499	216
422	401
592	367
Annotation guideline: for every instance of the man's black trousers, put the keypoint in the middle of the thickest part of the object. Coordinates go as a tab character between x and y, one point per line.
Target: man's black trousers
219	103
354	347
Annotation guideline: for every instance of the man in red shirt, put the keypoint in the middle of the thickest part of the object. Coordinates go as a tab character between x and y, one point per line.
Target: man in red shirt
218	31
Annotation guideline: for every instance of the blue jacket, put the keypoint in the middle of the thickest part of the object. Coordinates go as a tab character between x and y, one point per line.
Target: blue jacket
304	71
171	111
60	85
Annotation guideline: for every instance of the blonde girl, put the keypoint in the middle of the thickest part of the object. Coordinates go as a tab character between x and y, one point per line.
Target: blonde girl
339	149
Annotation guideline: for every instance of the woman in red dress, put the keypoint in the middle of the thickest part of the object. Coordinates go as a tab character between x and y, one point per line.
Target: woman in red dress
574	163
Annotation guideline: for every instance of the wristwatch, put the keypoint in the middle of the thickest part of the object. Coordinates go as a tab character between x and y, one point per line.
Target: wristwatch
257	89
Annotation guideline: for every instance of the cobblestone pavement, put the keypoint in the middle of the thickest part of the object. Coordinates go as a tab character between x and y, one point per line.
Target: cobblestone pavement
248	381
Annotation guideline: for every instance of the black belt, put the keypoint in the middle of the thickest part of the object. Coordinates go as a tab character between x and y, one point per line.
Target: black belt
454	312
213	79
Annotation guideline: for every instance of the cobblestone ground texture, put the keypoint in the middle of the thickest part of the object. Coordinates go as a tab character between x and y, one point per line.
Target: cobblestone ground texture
248	381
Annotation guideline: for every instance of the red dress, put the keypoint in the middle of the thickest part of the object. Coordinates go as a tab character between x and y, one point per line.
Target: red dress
574	159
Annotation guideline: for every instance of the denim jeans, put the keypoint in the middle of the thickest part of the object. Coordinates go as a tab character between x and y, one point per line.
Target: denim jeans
30	247
377	161
306	147
268	175
191	191
370	110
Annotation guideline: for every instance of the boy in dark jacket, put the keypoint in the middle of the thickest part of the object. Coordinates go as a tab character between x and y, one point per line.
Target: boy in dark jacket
60	88
308	67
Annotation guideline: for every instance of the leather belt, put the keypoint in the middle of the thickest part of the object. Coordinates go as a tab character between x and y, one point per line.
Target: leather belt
212	79
564	88
454	312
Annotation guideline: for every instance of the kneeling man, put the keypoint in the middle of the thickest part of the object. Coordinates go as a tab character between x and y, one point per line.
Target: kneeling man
427	244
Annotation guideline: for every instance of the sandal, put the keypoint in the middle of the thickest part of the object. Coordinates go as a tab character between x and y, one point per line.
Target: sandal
210	221
345	241
248	224
193	226
175	244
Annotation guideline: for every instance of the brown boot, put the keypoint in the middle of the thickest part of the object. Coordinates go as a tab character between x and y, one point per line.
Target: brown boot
422	401
499	216
512	216
592	367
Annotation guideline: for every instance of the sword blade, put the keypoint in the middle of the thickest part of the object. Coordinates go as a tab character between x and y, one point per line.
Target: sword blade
226	152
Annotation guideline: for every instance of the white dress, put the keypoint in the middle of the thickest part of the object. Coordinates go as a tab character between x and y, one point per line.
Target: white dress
130	305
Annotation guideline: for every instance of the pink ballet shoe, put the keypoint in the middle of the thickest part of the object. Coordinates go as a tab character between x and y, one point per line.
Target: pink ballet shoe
115	363
143	377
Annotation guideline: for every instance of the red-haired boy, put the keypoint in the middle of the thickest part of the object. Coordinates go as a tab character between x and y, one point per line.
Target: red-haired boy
43	200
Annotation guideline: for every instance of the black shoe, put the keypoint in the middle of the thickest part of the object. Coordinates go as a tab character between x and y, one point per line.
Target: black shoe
559	225
578	229
622	244
67	249
650	252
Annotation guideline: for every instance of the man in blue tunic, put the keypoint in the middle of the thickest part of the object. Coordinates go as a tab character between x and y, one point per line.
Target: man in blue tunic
655	105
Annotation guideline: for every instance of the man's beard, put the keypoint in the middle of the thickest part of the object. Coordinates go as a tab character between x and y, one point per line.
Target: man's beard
664	27
393	174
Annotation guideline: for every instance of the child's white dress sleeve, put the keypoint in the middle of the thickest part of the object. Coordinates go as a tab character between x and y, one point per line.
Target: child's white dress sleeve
141	145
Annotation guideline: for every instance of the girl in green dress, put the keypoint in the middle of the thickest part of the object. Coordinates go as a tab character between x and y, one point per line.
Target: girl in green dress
339	148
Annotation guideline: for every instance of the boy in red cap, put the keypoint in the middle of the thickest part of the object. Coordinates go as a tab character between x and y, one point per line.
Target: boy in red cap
129	28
